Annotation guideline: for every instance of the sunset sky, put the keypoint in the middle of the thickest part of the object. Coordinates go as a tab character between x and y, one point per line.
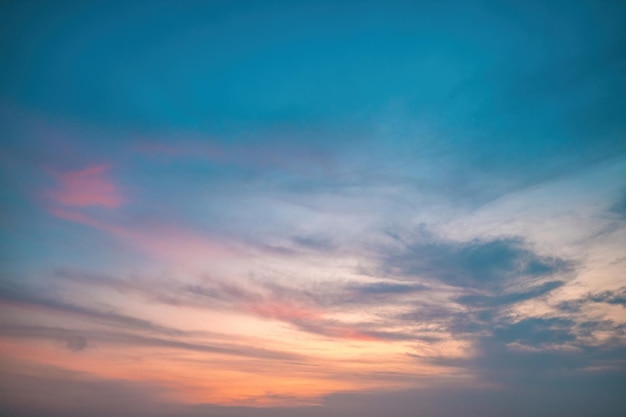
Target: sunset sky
311	208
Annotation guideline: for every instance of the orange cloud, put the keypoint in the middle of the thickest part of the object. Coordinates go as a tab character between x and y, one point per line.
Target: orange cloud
283	311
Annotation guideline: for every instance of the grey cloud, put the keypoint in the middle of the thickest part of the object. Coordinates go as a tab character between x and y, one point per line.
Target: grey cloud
619	207
295	246
571	306
537	332
22	295
478	263
616	297
587	328
507	349
496	327
527	352
79	341
510	298
386	288
496	361
75	342
314	243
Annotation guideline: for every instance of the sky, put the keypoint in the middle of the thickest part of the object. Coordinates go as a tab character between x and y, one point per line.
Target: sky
311	208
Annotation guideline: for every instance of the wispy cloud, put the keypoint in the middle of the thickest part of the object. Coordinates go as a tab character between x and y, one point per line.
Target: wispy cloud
616	297
163	242
306	311
77	340
21	298
493	263
89	187
509	298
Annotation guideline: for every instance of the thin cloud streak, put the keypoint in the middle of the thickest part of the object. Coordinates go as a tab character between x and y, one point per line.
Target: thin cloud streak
90	187
134	340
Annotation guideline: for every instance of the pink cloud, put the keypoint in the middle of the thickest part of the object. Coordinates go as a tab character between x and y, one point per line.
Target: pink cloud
90	187
162	242
77	191
174	244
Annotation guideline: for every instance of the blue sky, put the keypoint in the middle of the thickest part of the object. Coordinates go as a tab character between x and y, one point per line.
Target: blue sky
313	208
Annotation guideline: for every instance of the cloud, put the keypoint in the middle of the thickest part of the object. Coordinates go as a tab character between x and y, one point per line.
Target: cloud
509	351
509	298
469	266
537	332
493	275
22	298
161	241
89	187
302	309
616	297
314	243
56	392
619	207
479	263
385	288
307	310
77	340
488	274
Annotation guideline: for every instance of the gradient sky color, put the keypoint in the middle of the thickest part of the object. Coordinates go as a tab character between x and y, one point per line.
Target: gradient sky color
342	209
